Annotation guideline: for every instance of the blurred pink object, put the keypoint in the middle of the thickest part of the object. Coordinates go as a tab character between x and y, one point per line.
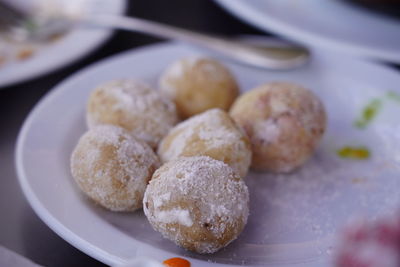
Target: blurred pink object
370	244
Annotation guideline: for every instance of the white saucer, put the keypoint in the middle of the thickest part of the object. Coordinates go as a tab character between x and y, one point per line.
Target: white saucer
74	45
333	25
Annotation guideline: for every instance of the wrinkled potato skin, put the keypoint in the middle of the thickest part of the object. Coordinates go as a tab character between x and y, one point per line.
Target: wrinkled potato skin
284	123
203	85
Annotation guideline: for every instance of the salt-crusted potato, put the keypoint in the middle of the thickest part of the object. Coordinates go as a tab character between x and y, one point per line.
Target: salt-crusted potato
112	167
197	202
134	106
197	84
284	122
212	133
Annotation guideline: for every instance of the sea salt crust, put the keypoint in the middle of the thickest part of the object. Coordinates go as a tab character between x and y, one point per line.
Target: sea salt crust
197	202
134	106
177	71
112	167
180	216
211	133
284	123
196	84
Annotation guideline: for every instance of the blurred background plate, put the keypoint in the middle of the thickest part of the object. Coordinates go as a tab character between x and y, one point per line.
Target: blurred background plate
335	25
69	48
286	227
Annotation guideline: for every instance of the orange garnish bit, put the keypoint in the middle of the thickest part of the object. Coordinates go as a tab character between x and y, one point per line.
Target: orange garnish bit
25	54
176	262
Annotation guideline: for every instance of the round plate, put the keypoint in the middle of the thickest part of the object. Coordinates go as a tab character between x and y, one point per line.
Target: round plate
293	217
335	25
64	51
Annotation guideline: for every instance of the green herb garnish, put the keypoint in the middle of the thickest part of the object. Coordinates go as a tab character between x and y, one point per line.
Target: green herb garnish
349	152
30	25
368	113
393	96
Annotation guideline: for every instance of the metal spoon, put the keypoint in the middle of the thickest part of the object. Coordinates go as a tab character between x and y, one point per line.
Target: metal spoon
276	58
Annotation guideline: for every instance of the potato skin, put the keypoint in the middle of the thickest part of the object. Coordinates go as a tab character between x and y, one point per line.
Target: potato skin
134	106
212	133
284	122
199	84
112	167
199	203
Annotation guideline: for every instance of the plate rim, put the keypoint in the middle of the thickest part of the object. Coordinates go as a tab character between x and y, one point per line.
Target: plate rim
101	39
244	11
39	208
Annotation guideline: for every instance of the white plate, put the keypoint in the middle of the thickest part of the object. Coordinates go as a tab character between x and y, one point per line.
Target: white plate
68	49
334	25
293	217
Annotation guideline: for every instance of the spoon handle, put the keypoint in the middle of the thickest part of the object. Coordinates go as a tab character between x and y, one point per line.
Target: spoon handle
264	57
